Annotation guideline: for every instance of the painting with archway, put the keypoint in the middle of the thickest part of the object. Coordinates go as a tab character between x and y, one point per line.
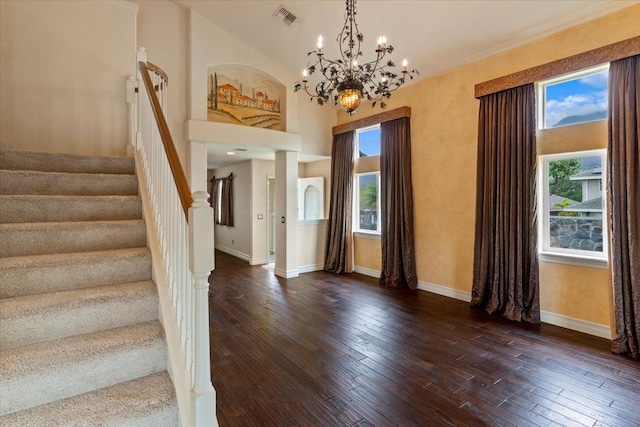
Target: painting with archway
246	96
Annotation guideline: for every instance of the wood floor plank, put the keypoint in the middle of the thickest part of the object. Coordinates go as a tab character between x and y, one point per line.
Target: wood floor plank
340	350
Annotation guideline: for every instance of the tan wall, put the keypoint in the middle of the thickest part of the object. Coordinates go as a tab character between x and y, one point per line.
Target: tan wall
444	143
367	252
63	70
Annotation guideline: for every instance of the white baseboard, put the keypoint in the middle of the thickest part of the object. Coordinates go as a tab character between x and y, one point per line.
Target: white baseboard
233	252
258	261
309	268
444	291
285	274
367	271
591	328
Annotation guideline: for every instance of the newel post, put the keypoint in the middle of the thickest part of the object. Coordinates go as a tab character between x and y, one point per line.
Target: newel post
201	264
141	56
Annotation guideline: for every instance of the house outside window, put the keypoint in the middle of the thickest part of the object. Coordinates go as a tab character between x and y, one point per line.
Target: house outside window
573	221
367	203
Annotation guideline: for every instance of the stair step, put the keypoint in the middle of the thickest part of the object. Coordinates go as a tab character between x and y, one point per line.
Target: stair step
148	401
43	373
39	318
62	183
17	209
57	162
30	275
65	237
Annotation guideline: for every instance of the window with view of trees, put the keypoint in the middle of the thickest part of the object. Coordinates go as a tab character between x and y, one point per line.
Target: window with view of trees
367	206
573	220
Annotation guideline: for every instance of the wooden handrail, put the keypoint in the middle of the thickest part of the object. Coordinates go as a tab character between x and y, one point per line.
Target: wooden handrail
169	147
159	71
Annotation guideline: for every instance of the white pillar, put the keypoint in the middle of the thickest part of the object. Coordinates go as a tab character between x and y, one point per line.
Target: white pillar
286	214
201	264
197	166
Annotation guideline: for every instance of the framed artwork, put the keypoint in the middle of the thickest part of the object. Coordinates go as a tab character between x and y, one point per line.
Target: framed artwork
246	96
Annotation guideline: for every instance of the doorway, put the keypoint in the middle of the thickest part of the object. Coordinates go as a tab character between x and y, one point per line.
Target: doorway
271	219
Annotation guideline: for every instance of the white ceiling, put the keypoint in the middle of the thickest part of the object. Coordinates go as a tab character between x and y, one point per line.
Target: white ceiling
435	36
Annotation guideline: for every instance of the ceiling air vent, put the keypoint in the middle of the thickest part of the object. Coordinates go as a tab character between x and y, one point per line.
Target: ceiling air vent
287	17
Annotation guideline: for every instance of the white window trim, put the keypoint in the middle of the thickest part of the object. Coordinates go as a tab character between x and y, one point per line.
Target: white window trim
356	152
356	207
561	255
542	93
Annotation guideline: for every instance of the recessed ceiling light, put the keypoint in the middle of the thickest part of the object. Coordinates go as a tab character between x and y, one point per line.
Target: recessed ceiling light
231	153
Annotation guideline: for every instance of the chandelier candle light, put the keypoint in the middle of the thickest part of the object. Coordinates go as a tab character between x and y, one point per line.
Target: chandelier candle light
344	81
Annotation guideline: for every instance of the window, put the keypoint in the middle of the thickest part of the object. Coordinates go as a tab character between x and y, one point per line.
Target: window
575	98
368	141
573	221
367	206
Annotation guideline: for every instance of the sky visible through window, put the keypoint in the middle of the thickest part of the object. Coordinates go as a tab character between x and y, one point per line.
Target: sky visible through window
580	100
369	142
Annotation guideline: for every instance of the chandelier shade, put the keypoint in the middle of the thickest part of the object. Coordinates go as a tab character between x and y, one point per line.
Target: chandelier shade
346	83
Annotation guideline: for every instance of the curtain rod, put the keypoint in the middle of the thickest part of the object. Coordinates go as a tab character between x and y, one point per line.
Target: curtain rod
601	55
372	120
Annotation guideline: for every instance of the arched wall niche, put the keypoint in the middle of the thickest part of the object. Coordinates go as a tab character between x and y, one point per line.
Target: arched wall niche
247	96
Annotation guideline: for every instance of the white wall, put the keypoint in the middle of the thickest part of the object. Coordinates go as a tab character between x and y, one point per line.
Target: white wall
163	29
237	240
260	170
63	68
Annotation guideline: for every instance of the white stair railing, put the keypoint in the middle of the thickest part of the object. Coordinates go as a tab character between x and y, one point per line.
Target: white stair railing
183	226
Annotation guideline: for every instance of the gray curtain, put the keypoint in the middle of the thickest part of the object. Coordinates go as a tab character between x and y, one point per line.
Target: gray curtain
623	159
339	251
505	271
396	200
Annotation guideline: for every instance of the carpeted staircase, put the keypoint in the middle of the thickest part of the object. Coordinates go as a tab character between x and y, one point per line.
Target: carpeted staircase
80	340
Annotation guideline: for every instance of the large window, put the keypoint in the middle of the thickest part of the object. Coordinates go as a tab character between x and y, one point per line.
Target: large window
575	98
368	141
573	221
367	203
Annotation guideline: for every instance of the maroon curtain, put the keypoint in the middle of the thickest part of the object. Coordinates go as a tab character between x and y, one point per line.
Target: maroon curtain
222	200
623	157
505	271
214	199
396	200
339	251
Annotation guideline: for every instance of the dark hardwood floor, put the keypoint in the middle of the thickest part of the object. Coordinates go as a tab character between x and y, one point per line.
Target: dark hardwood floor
329	350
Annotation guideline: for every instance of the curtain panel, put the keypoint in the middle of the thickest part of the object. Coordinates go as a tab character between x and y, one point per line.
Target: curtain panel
623	157
215	185
222	200
339	250
505	272
396	199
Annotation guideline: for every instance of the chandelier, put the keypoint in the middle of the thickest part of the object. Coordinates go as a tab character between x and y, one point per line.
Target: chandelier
344	81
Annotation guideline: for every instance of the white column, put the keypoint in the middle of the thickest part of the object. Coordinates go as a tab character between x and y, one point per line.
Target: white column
286	214
201	264
197	166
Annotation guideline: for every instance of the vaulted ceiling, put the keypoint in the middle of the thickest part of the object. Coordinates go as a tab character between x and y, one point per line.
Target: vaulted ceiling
435	36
